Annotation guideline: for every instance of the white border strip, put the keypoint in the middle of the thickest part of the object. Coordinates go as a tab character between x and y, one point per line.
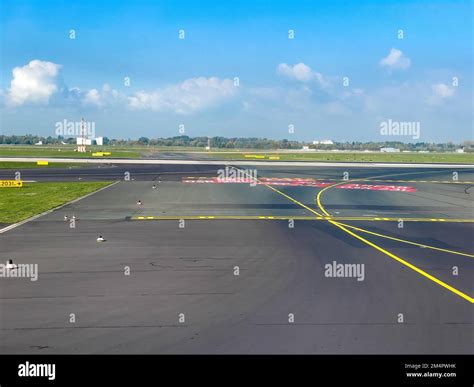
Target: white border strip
15	225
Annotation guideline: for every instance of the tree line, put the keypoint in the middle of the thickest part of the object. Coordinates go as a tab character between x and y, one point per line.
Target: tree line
242	143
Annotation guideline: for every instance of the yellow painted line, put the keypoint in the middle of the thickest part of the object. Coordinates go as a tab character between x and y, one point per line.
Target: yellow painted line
405	241
318	197
299	217
293	200
283	194
393	256
413	267
408	264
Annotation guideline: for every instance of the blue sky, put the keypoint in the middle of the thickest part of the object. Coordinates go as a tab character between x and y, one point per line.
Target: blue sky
426	77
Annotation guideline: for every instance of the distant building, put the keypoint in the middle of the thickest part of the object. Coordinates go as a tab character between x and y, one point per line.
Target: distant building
323	142
83	141
39	143
389	150
90	141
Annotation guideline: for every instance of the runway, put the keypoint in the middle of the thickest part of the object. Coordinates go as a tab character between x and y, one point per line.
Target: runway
232	267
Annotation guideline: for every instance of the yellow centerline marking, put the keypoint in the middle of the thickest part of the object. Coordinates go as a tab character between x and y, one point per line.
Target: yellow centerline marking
373	245
388	253
318	197
298	217
281	193
408	264
293	200
405	241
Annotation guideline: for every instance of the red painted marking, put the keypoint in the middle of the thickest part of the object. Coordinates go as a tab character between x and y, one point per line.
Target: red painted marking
397	188
299	182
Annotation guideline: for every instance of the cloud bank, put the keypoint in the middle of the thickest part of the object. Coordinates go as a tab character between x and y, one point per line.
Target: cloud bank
33	83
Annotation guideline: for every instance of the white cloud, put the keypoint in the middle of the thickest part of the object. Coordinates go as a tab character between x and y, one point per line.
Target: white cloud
92	97
38	82
190	96
100	98
300	72
35	82
395	60
442	90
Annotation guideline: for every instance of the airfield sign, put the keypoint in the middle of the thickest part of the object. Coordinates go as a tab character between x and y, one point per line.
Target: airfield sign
11	183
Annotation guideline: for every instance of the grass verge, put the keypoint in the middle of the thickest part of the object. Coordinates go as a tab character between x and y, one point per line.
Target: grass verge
459	158
26	165
65	151
17	204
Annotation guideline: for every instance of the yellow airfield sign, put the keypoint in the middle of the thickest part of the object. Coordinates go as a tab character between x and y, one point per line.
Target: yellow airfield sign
11	183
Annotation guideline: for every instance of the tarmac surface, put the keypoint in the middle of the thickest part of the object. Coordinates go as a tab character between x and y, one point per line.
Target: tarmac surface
215	266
